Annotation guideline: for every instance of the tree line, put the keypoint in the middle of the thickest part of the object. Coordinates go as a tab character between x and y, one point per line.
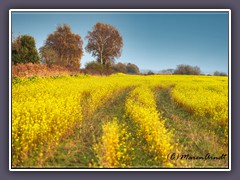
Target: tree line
64	48
184	69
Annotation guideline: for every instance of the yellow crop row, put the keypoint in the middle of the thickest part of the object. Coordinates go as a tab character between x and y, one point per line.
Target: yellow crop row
112	149
108	149
141	108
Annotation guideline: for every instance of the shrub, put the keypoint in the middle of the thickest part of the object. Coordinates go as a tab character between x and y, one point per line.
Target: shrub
132	69
216	73
150	73
187	69
120	67
95	67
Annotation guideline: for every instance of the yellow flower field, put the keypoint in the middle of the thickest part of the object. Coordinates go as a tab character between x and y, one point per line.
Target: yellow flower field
127	125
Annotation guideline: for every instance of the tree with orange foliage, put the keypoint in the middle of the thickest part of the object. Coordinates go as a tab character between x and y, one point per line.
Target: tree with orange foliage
105	43
67	45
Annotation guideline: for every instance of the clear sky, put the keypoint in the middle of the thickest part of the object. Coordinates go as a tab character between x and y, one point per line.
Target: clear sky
153	41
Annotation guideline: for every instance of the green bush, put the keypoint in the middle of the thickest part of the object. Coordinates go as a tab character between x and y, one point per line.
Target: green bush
187	69
95	67
132	69
24	50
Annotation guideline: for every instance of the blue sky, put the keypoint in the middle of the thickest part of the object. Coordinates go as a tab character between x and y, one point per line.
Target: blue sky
155	41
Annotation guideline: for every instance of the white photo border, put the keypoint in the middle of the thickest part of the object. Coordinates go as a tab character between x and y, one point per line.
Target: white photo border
120	10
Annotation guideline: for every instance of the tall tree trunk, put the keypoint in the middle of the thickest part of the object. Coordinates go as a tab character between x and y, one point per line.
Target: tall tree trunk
101	59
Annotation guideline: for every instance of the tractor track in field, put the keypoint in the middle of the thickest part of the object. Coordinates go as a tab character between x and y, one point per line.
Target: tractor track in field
194	134
77	150
194	138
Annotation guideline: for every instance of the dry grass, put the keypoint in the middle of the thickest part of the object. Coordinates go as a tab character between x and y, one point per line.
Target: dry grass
42	70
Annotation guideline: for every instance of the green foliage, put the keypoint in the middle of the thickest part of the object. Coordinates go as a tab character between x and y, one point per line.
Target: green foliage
16	80
24	50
